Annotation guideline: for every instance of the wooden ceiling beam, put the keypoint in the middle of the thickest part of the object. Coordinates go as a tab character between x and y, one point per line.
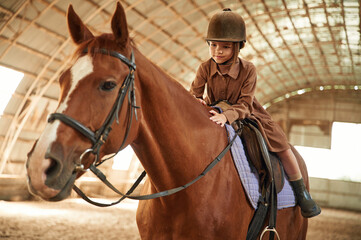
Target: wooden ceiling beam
331	34
49	98
155	15
32	51
197	8
347	41
6	11
284	41
269	66
14	15
151	41
182	19
40	27
300	39
315	36
168	53
16	38
150	20
175	36
169	35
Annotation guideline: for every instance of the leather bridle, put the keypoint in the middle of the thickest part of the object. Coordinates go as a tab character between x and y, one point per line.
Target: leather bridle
99	137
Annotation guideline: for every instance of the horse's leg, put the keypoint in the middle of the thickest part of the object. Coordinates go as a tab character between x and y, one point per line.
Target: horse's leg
144	226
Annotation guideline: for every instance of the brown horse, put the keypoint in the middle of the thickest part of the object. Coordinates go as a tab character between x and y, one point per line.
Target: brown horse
172	137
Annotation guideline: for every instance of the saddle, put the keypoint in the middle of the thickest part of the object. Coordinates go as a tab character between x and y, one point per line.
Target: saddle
270	172
266	163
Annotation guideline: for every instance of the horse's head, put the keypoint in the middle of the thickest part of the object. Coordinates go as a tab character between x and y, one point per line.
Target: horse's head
99	83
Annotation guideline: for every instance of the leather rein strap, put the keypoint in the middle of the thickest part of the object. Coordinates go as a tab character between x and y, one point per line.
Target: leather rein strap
102	177
99	137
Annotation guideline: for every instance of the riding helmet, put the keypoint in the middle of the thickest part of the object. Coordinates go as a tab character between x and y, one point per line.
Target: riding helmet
226	26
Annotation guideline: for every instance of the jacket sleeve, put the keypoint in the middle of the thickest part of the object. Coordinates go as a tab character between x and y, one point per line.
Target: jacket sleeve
198	85
243	108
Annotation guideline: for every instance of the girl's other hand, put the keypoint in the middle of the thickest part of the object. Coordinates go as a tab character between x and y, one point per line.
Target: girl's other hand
218	118
202	101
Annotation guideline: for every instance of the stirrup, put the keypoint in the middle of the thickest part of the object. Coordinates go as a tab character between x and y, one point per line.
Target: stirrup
268	229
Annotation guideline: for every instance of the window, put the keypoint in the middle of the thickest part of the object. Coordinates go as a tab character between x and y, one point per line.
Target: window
9	80
343	160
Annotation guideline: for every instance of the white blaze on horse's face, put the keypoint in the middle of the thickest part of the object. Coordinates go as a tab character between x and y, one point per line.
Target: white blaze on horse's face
82	68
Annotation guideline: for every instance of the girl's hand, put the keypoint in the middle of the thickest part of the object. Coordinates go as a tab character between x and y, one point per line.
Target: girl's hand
202	101
218	118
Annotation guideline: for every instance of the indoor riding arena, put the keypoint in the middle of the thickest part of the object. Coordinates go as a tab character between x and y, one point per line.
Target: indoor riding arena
307	56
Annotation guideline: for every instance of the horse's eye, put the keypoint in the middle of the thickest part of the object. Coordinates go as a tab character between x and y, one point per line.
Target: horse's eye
108	86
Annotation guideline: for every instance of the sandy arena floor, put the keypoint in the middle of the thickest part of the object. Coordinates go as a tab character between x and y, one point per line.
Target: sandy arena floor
75	219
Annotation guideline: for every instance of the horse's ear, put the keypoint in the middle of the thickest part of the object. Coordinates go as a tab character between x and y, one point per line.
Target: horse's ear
119	26
77	29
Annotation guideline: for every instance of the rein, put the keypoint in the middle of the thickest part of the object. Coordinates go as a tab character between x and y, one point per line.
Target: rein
99	137
165	193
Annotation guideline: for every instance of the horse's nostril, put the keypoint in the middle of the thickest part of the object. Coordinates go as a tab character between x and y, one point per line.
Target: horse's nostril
53	169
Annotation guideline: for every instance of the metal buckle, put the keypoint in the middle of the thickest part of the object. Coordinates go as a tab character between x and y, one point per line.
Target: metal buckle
79	166
102	140
267	229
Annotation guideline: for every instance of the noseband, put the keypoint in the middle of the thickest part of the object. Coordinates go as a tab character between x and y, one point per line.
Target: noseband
99	137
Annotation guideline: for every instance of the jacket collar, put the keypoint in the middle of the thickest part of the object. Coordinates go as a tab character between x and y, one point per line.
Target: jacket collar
233	71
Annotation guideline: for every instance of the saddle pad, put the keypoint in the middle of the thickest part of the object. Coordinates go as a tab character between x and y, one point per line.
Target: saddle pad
250	178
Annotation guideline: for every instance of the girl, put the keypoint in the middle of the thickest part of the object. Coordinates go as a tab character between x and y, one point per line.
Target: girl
233	79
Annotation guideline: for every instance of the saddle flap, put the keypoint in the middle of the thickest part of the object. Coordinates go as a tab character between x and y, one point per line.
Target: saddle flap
278	172
255	157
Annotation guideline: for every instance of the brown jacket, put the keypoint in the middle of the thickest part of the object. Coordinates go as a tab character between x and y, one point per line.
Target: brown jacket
238	86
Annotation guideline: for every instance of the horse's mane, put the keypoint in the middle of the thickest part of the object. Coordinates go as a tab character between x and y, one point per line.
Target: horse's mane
105	40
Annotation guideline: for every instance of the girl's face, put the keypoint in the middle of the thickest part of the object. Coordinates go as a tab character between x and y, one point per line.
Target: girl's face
221	52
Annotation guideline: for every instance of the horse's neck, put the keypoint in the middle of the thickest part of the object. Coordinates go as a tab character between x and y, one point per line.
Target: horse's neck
176	136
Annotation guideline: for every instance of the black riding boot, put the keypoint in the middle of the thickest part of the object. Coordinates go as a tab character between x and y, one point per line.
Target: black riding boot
309	208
